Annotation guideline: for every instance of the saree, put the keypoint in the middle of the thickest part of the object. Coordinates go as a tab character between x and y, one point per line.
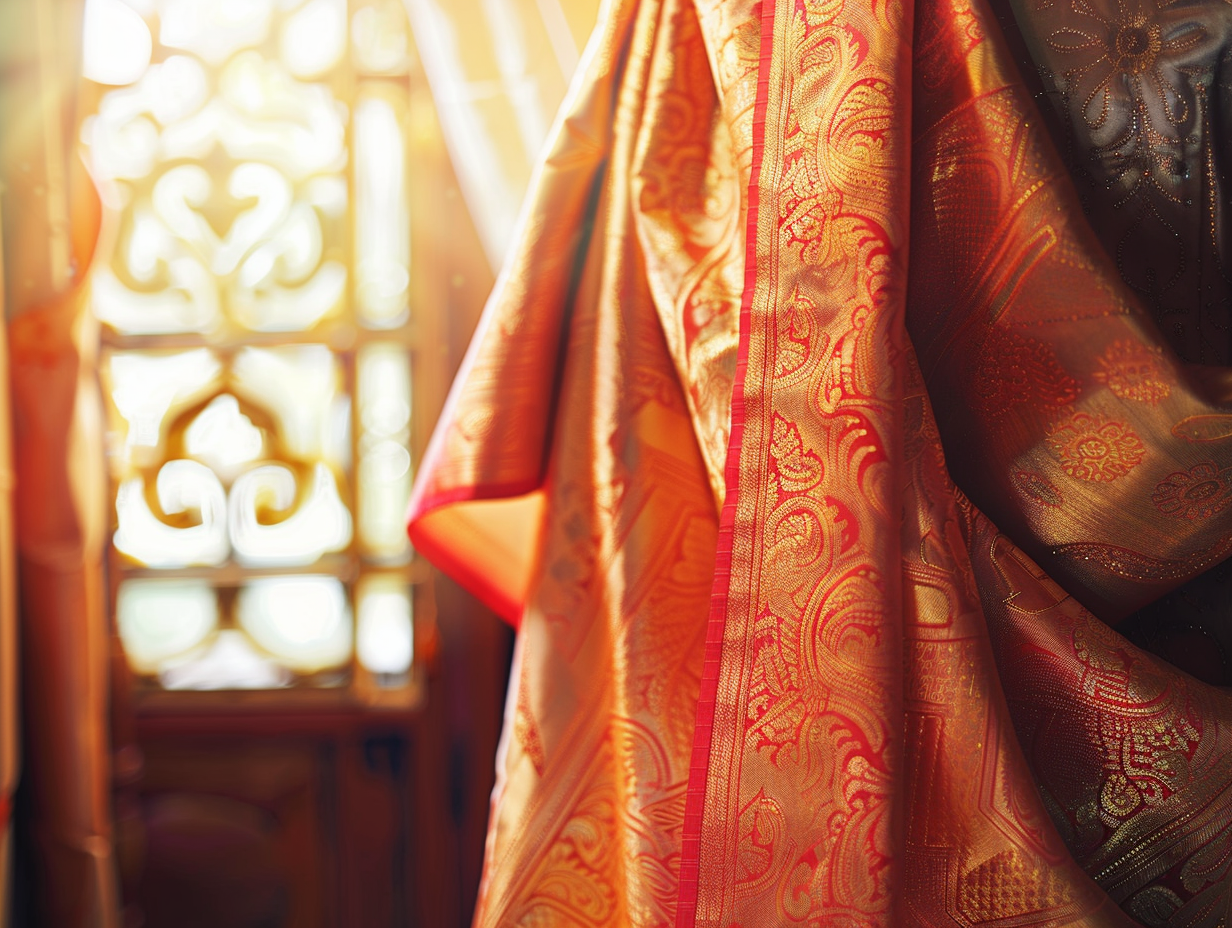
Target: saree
788	269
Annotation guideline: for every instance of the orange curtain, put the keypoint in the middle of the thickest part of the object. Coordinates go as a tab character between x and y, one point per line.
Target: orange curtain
50	223
774	667
9	682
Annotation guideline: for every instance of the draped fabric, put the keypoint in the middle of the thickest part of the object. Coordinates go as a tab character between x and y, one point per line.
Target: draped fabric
50	216
787	268
8	631
600	390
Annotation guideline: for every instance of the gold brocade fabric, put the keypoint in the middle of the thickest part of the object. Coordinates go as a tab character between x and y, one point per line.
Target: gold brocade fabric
810	682
605	378
1137	96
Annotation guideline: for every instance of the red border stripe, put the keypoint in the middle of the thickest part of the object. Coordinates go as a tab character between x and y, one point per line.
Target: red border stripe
699	766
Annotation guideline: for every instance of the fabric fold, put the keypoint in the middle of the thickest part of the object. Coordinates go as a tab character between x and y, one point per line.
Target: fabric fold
51	218
498	421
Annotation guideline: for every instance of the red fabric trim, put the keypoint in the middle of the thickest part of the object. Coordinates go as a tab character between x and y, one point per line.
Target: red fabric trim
474	582
699	765
445	559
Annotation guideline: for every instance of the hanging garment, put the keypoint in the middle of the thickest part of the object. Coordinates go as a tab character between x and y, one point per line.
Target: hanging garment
773	666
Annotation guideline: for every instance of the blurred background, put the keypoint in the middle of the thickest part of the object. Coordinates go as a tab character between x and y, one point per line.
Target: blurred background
245	244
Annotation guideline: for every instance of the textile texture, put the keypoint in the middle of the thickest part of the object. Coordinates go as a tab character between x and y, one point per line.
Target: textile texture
787	267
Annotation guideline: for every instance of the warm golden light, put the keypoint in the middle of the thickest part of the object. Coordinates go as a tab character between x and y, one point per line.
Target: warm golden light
254	283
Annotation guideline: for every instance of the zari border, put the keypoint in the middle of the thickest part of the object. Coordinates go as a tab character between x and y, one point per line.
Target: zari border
699	765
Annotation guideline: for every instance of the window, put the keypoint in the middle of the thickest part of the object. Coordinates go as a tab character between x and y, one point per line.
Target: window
258	342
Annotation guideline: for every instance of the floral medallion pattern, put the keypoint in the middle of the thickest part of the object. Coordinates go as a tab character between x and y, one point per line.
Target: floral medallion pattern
1197	493
1132	372
1120	58
1095	448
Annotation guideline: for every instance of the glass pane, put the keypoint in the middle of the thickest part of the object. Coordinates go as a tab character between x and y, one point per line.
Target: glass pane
382	220
116	43
386	641
214	28
301	388
321	523
303	622
380	37
230	496
229	662
145	388
187	490
314	37
384	400
222	170
223	437
159	620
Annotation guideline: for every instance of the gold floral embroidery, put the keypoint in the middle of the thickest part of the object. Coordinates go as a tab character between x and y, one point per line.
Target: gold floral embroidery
1127	42
1094	448
1013	369
1132	372
1137	83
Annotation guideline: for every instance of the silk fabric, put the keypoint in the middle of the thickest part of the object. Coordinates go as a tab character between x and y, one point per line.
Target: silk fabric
774	667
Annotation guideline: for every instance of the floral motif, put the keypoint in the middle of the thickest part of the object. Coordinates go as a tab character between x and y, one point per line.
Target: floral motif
844	135
761	831
1133	372
774	715
1198	493
1154	751
1122	60
1137	81
1094	448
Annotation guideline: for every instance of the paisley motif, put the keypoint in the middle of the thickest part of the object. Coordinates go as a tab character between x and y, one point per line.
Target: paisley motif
1038	488
1013	368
